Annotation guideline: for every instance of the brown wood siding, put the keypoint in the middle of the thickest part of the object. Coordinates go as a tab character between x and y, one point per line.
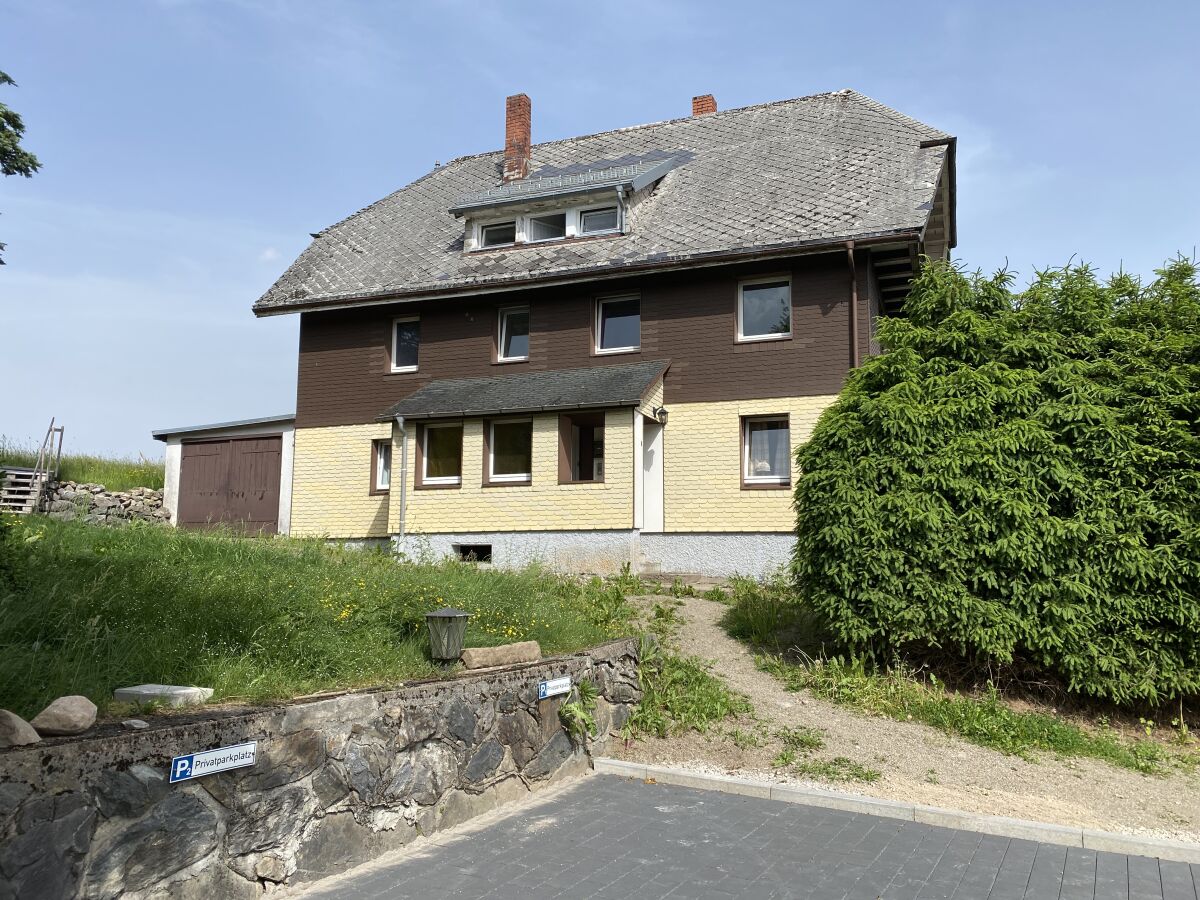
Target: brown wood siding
689	318
231	482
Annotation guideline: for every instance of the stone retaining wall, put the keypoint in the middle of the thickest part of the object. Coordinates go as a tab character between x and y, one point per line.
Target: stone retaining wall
93	504
337	781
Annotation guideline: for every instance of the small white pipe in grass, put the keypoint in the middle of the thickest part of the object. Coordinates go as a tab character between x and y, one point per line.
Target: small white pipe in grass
403	470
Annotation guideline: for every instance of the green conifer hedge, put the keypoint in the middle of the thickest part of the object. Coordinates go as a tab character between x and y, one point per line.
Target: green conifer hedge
1017	480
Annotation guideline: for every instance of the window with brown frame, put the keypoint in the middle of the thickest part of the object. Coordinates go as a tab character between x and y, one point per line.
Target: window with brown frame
381	466
440	455
766	452
581	448
509	451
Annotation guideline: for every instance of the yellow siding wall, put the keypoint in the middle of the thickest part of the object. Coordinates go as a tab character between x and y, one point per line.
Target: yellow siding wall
703	456
331	483
544	505
652	400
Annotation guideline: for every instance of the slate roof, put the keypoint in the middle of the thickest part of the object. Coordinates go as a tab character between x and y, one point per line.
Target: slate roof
593	388
791	174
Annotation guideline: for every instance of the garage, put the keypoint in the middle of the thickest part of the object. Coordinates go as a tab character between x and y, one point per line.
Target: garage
231	482
230	474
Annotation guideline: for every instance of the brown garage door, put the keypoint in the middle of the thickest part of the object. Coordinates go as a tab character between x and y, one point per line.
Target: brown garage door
231	482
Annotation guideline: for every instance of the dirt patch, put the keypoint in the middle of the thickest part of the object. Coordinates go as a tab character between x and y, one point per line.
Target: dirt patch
916	763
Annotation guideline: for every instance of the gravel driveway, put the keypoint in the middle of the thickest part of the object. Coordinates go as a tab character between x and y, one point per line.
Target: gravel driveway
918	763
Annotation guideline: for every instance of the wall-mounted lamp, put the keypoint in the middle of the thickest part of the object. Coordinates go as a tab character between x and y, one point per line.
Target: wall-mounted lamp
660	414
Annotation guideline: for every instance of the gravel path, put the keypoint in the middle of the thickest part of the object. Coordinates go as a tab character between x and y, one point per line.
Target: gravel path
918	763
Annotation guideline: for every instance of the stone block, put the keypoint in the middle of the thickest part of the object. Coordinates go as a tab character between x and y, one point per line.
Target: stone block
507	655
66	715
1159	848
15	731
166	694
892	809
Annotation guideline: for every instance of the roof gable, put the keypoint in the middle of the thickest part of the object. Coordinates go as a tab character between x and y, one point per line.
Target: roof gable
794	173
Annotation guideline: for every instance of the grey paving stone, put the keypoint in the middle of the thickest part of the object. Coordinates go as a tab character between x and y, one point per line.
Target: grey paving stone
612	838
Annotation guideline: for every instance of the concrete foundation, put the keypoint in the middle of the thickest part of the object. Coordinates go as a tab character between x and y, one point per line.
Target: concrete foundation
606	552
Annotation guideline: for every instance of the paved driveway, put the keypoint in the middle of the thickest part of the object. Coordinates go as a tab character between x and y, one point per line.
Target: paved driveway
611	837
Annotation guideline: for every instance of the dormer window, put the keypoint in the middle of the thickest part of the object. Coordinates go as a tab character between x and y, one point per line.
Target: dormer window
501	234
547	228
534	210
598	221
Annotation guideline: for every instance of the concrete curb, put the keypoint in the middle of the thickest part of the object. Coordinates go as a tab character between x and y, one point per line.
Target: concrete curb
1066	835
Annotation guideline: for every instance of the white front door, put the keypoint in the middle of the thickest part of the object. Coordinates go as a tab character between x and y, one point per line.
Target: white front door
652	476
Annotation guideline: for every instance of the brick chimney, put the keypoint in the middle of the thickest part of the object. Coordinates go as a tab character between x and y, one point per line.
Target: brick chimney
703	104
516	137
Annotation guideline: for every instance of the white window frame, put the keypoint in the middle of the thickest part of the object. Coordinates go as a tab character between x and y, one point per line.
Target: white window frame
440	479
378	448
520	477
527	230
503	315
747	478
572	218
515	221
599	324
744	338
599	206
395	368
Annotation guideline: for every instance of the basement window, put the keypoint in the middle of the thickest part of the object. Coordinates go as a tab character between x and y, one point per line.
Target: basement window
474	552
580	448
499	235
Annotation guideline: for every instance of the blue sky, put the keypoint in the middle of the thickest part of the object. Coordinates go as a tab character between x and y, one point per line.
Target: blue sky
190	146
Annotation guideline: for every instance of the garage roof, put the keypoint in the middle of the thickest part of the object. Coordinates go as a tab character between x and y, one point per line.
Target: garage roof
597	387
164	433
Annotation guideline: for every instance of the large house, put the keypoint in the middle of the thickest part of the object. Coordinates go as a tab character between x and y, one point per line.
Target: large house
604	350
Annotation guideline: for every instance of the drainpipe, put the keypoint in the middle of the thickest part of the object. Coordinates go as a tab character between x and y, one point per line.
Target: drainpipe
403	470
854	359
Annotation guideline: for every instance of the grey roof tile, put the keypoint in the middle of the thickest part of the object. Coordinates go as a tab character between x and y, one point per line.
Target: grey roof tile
592	388
795	173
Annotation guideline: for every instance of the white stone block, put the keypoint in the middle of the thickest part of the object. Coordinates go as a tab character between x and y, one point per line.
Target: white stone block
166	694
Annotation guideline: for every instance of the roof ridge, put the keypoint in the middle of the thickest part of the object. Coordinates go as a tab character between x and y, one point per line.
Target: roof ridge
850	93
626	128
883	109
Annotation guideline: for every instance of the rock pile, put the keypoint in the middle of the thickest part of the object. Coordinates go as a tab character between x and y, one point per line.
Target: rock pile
93	504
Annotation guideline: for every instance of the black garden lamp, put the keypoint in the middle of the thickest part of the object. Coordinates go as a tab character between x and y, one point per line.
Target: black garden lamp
447	628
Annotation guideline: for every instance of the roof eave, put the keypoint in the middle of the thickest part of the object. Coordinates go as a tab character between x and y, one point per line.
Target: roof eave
951	145
701	260
506	411
163	434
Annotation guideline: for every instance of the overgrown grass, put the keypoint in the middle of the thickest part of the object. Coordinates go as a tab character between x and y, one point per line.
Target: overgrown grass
771	617
768	614
117	473
985	720
84	610
678	692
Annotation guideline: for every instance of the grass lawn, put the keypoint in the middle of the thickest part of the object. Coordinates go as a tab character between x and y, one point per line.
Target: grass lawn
114	472
84	610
